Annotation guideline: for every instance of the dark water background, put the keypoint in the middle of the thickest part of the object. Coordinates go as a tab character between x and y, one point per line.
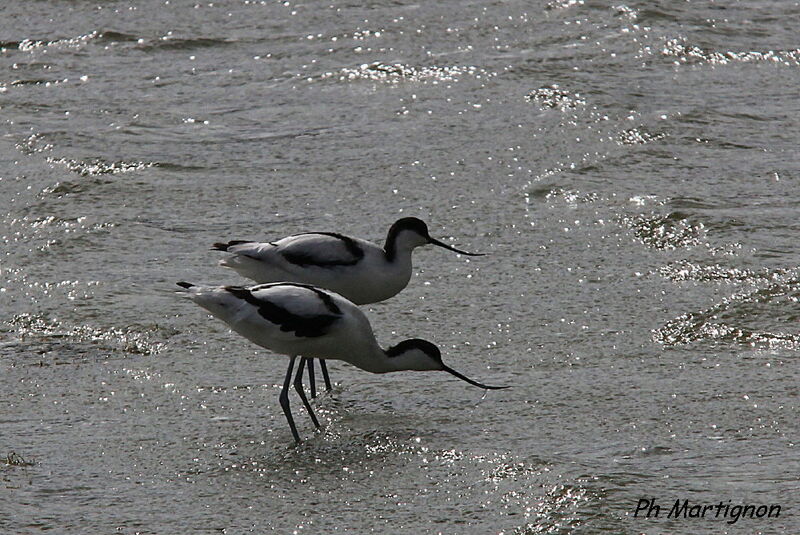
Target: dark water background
632	169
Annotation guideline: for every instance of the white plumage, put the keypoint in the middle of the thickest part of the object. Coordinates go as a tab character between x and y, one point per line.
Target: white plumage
302	320
357	269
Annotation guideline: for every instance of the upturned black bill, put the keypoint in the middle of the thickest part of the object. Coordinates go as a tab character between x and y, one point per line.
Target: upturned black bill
470	381
434	241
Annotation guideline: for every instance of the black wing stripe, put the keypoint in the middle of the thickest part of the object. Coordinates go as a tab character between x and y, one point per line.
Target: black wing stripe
302	326
308	259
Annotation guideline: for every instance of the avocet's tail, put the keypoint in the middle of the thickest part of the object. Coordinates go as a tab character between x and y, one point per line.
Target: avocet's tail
224	246
252	260
187	287
191	291
221	301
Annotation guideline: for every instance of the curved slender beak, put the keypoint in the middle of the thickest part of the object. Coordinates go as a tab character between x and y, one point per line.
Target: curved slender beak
434	241
470	381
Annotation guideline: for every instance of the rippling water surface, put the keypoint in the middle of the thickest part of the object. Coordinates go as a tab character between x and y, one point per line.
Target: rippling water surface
631	168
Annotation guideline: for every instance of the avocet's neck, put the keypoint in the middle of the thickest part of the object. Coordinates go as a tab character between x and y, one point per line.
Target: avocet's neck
411	361
401	243
415	354
407	355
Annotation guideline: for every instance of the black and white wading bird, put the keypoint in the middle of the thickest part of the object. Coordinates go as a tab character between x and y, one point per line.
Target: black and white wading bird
361	271
303	321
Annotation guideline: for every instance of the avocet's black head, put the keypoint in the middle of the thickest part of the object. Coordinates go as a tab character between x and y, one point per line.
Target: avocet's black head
421	355
413	232
412	225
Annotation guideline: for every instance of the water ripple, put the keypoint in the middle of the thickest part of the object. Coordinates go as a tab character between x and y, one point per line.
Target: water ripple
395	73
668	232
98	166
724	322
638	136
170	42
36	143
47	330
49	229
563	4
556	512
684	270
691	54
554	97
28	45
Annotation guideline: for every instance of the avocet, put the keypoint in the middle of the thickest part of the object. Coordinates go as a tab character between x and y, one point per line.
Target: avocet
361	271
303	321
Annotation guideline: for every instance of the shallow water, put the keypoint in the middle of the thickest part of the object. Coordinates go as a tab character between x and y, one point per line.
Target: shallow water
631	169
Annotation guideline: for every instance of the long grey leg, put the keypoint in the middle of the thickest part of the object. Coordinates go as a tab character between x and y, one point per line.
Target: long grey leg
298	385
284	399
312	381
324	368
